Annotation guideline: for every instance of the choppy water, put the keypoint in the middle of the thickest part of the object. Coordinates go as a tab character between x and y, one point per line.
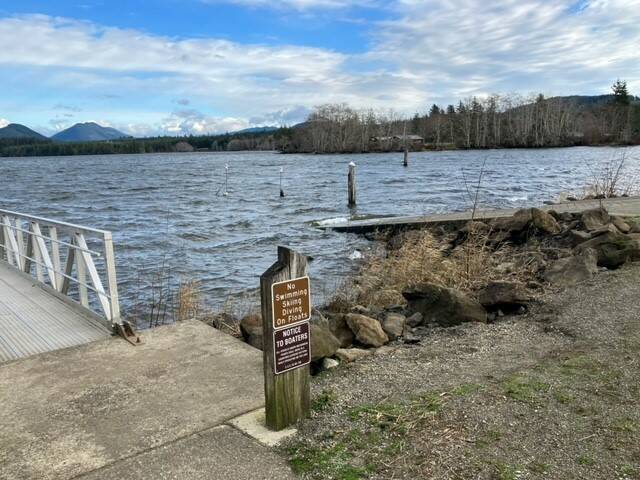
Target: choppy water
169	206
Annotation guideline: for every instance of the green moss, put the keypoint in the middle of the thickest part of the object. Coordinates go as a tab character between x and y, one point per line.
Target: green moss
625	425
563	397
505	471
524	388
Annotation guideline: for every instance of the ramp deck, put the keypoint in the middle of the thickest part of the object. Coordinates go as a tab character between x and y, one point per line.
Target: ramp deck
33	320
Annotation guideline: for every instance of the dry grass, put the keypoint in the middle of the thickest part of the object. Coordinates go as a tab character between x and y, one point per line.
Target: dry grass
426	257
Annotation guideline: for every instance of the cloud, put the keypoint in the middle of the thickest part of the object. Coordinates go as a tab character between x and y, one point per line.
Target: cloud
298	4
4	122
425	51
193	122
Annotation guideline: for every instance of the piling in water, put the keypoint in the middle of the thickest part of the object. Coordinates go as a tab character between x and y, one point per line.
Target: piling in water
406	157
281	190
351	180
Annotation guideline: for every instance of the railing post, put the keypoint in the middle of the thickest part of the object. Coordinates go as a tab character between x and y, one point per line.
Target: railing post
55	256
20	242
82	279
110	266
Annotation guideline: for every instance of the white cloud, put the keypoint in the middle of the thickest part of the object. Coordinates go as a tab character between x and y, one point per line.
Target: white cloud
4	122
186	122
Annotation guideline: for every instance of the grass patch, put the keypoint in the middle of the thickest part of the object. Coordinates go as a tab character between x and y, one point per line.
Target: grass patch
333	460
525	389
538	467
564	397
322	401
625	425
404	415
506	471
586	460
488	438
466	389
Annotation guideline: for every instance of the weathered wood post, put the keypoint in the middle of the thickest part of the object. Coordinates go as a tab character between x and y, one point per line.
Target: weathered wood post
351	180
286	309
281	190
406	156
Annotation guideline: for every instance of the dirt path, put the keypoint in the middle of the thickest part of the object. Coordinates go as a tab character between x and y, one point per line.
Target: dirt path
551	394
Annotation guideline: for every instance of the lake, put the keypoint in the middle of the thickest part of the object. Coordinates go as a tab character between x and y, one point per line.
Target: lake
170	208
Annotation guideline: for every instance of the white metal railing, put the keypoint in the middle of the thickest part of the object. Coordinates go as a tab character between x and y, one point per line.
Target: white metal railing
39	247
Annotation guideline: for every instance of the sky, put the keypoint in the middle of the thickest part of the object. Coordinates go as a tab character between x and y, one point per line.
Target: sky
174	67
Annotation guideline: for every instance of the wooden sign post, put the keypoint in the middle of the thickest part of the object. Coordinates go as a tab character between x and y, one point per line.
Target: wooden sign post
285	291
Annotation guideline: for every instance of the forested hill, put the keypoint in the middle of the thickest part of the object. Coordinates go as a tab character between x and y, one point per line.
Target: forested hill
17	131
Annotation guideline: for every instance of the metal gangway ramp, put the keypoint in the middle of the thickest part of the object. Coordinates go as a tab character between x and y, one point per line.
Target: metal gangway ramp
57	285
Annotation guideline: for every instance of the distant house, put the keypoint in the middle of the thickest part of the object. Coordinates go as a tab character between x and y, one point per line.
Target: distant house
396	142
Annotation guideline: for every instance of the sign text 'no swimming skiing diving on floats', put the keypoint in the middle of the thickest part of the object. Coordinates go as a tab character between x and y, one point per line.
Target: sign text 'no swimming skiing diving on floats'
291	314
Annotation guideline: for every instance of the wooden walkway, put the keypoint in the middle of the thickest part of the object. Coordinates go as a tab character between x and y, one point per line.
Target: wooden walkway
33	320
629	206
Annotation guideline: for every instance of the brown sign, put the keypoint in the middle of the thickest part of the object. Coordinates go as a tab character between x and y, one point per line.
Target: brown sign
291	347
291	302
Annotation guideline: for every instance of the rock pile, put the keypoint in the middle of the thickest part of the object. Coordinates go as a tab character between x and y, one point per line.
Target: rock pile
559	249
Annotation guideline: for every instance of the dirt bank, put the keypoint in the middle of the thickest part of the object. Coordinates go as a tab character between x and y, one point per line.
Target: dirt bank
552	393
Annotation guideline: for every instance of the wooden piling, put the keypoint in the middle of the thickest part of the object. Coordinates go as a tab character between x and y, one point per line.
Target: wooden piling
406	157
351	180
286	394
281	190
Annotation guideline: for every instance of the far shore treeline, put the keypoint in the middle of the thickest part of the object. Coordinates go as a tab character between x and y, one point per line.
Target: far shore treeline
498	121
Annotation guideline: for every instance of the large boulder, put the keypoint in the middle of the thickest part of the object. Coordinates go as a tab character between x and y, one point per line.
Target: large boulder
576	237
323	343
340	329
544	222
613	249
367	330
394	324
251	328
569	271
504	295
595	218
444	306
526	219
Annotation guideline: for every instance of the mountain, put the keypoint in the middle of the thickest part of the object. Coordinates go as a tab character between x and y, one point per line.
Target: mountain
15	130
256	130
88	132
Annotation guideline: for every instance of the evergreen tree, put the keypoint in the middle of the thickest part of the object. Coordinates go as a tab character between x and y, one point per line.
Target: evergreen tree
620	92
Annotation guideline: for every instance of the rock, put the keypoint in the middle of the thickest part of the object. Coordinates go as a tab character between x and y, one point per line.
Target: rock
577	237
554	214
318	318
572	270
251	328
444	306
613	249
544	222
504	294
620	224
566	217
388	297
634	226
415	320
608	228
367	330
385	350
393	325
323	343
362	310
529	217
349	355
340	329
595	218
329	363
411	339
514	224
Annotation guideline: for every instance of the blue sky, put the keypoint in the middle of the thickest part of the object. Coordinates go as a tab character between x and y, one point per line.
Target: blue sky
153	67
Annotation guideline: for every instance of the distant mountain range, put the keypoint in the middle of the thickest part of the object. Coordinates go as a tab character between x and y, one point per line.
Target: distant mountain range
256	130
88	132
15	130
